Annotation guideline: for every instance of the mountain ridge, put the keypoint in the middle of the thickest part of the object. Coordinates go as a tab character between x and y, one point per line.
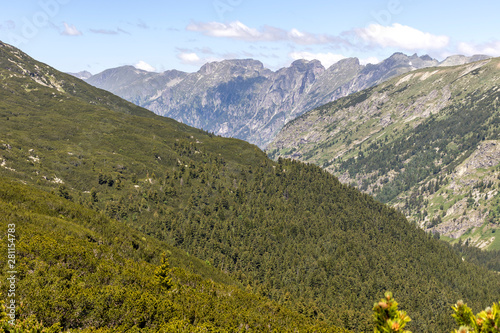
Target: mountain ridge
243	99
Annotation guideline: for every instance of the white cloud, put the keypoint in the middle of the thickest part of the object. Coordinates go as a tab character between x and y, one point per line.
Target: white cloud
70	30
305	38
369	60
301	37
402	37
238	30
144	66
326	59
294	33
104	31
142	24
491	48
189	58
110	32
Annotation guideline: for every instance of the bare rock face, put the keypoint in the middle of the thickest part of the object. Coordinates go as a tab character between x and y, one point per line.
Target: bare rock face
471	213
241	98
486	156
83	75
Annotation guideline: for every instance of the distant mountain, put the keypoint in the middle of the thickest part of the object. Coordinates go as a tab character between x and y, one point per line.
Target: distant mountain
127	184
456	60
135	85
426	142
83	75
242	99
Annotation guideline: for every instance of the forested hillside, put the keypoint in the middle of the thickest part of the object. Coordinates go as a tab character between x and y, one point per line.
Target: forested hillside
426	142
78	269
288	231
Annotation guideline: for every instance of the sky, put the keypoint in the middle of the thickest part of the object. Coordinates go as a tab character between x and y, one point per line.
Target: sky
160	35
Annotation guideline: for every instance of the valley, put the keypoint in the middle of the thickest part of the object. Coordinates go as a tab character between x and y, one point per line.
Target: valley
424	142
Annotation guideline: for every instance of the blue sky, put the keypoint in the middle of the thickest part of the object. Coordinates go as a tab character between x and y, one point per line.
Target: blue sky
74	35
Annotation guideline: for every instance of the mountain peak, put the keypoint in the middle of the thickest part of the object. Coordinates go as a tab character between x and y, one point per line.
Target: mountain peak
346	62
426	57
303	64
414	61
399	55
242	98
212	67
460	59
82	75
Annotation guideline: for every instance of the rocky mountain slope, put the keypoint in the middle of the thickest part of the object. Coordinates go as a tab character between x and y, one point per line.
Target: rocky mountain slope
427	142
242	98
124	181
456	60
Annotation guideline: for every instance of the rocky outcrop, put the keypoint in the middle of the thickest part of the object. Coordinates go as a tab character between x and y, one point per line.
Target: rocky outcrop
485	156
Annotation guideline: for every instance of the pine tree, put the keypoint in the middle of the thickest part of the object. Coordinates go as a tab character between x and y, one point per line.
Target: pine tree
162	273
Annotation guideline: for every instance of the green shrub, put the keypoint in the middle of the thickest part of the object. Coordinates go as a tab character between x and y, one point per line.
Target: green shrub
387	317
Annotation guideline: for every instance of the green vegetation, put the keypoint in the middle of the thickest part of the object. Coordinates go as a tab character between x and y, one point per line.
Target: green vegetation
487	321
80	269
387	317
416	150
421	142
489	259
279	243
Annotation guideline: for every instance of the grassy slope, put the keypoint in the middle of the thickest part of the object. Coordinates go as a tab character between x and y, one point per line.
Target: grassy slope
66	131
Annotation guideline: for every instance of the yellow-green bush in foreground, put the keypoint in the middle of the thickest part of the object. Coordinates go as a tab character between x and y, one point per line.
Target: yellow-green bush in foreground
388	319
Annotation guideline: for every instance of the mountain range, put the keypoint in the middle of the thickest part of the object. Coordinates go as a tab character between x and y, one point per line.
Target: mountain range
425	142
98	188
245	100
